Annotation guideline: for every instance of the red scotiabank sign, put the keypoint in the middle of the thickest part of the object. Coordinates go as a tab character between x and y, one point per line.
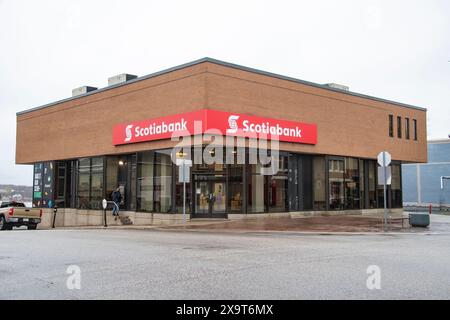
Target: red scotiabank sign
208	121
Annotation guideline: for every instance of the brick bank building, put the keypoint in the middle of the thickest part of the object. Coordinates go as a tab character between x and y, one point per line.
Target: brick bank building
84	147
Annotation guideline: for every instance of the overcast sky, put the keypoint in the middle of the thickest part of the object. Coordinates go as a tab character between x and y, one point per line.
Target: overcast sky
397	50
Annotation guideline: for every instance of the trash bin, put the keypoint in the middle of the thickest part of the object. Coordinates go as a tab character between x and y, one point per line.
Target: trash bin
419	219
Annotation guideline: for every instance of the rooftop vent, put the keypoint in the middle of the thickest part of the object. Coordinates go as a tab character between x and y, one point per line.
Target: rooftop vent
120	78
337	86
82	90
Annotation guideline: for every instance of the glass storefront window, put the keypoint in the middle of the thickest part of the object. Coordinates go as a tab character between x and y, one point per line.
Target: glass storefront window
90	183
362	185
145	183
336	184
150	181
278	187
132	182
319	183
154	186
163	181
179	195
84	183
372	184
112	165
96	183
235	179
121	173
255	189
351	180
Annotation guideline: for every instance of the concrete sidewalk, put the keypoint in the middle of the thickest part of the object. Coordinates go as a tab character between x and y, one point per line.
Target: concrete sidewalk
332	225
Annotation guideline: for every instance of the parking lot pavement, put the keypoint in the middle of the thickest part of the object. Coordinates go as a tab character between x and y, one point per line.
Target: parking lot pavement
151	264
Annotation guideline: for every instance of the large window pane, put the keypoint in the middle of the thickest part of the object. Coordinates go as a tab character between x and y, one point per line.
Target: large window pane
154	176
145	177
112	163
84	184
236	172
278	185
121	173
163	181
319	183
336	184
96	190
179	194
372	190
255	189
96	183
132	184
352	196
362	185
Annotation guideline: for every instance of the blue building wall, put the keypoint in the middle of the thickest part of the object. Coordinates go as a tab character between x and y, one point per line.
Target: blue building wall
409	183
422	182
438	152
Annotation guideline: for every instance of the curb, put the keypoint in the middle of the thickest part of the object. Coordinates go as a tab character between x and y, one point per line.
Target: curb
251	232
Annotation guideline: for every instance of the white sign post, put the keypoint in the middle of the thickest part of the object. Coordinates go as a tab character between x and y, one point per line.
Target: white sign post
384	174
184	177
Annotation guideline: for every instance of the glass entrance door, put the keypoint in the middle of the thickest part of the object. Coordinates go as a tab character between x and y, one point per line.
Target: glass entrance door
210	196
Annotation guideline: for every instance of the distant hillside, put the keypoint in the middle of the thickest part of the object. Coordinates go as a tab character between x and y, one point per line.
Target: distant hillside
20	193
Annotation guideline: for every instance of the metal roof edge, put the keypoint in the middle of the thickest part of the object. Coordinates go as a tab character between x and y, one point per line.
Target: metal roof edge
437	141
148	76
226	64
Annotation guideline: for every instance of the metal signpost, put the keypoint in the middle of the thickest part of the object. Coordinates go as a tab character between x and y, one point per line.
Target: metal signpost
184	177
55	211
384	174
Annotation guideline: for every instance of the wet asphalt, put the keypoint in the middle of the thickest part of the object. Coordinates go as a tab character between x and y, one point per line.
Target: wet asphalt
156	264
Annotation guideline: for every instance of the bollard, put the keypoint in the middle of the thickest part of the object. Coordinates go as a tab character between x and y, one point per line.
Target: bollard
104	217
55	211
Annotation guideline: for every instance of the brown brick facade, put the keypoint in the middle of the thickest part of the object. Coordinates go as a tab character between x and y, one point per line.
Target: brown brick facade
348	125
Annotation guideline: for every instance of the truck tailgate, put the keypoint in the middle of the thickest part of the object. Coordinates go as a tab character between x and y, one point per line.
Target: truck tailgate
27	212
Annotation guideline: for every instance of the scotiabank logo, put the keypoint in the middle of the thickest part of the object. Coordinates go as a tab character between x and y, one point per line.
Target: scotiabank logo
128	133
225	123
233	124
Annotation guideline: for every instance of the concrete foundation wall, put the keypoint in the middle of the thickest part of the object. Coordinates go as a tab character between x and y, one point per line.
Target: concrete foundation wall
85	218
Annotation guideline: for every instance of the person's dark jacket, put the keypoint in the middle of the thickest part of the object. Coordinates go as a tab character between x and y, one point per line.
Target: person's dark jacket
117	197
